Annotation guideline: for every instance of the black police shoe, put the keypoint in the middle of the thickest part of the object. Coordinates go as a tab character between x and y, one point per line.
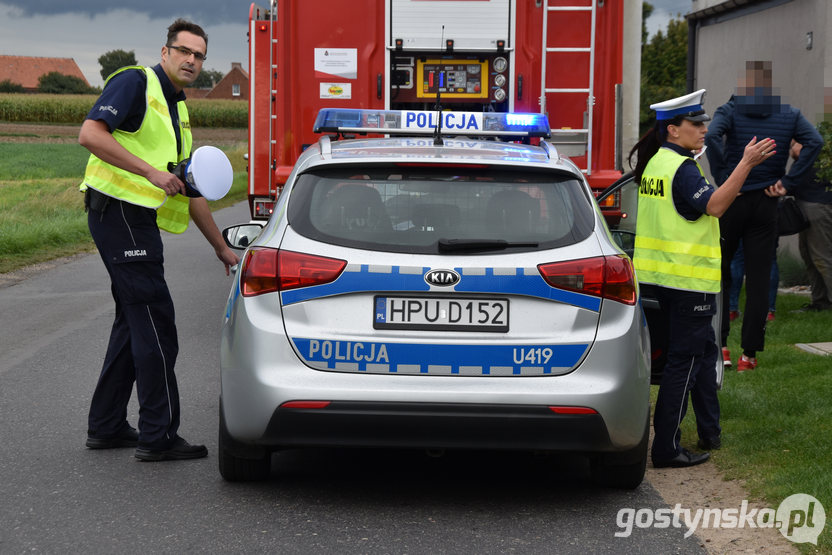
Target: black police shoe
709	443
683	459
127	437
178	451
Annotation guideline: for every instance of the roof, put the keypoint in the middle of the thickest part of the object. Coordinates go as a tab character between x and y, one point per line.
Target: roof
422	151
26	70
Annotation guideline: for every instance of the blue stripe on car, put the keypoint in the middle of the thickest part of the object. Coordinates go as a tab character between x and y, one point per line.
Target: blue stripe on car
433	359
511	281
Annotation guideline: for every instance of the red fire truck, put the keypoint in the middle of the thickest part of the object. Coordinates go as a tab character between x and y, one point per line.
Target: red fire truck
564	58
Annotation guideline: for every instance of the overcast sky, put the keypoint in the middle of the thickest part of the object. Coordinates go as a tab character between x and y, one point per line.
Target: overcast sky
86	29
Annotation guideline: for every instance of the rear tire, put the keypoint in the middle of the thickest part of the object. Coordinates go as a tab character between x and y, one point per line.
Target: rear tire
255	466
622	470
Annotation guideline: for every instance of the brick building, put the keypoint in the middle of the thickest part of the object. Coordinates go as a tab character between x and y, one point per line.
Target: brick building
26	70
233	86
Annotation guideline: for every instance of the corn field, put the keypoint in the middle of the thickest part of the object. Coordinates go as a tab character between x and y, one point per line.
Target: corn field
73	108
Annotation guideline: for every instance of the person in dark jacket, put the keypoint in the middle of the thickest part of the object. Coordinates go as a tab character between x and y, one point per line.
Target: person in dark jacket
755	111
814	196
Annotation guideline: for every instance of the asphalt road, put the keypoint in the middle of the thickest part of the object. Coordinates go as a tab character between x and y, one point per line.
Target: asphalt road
56	496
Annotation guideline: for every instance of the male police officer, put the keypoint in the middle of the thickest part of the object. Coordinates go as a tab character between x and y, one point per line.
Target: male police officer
137	127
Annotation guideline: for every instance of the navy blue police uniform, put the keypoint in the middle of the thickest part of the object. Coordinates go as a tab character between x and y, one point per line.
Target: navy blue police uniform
143	343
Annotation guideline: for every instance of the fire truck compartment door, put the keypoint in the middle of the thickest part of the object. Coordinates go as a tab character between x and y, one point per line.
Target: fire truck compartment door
473	25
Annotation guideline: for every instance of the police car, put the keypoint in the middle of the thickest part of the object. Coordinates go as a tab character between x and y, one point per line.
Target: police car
440	288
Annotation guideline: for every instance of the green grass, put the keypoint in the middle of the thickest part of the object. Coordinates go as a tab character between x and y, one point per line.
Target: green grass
23	161
777	419
41	210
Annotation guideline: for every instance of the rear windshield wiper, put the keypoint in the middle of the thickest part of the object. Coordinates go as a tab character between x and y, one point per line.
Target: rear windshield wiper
456	245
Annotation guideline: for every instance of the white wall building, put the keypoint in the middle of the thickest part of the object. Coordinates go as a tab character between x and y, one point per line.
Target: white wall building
795	35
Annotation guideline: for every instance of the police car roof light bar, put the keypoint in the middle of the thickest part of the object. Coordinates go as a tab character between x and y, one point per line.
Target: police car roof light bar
414	122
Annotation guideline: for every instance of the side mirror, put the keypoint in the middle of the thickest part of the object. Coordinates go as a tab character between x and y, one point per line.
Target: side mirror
242	235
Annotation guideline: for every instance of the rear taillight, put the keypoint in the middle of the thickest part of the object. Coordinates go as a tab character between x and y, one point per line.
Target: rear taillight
268	270
609	277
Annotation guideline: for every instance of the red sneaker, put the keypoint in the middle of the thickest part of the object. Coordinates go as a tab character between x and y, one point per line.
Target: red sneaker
733	315
726	357
770	316
745	363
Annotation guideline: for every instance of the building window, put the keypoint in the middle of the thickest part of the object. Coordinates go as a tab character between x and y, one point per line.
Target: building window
235	89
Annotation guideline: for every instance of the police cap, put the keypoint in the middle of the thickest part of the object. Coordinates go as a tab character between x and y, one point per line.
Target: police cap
688	106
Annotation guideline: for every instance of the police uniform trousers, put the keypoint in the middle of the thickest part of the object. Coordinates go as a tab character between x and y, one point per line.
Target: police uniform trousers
143	343
690	370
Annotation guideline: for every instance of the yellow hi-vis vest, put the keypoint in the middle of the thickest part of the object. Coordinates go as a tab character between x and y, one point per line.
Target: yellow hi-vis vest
155	143
671	250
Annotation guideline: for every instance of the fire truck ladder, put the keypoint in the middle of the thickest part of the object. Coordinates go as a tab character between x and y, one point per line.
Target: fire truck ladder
273	88
574	141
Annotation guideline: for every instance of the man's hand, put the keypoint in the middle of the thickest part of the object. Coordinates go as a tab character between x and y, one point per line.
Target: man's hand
776	190
167	182
228	257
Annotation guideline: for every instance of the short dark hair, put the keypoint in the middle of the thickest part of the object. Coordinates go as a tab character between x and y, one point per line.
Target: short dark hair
185	25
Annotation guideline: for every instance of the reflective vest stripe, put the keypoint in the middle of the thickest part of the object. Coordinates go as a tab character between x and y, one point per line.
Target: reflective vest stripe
174	215
671	268
692	249
130	186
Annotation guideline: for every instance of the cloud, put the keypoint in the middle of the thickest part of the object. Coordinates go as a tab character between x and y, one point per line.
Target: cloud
663	12
85	36
201	11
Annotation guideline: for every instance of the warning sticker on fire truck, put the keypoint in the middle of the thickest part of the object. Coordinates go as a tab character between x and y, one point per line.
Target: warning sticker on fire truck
340	63
336	90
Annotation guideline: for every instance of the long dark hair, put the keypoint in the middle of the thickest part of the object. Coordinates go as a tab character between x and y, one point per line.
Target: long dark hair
648	145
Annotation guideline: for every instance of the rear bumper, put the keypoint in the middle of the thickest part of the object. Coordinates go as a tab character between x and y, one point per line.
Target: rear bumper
436	425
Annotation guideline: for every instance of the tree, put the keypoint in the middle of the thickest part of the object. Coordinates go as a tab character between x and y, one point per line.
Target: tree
646	11
58	83
9	86
207	79
663	68
115	59
824	161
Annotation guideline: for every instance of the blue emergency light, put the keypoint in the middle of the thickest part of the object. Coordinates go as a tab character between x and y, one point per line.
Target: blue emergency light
415	122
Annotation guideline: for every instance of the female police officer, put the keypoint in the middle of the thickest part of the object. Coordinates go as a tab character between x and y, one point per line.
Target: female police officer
677	249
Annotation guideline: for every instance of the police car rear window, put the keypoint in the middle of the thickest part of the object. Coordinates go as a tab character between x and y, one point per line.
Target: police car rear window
437	209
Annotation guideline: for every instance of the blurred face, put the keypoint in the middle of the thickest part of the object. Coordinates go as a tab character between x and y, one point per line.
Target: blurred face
182	59
757	76
689	135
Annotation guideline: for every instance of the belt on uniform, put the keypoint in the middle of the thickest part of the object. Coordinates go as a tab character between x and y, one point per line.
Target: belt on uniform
96	200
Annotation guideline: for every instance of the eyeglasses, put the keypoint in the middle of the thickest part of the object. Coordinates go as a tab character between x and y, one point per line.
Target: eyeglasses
199	56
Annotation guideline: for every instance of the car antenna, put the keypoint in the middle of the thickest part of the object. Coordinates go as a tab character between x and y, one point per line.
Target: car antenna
437	133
